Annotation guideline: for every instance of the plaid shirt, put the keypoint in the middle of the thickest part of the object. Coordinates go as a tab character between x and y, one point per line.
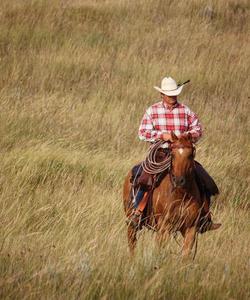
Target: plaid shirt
159	119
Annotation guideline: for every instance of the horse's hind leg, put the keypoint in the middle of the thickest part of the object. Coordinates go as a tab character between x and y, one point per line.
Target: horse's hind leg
189	239
132	239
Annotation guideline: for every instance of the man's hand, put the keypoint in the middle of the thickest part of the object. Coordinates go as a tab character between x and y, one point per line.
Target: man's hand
167	137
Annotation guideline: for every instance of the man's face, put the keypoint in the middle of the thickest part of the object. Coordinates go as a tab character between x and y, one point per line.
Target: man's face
170	100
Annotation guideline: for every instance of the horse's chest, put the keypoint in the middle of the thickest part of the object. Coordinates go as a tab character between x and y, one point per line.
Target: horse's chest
175	206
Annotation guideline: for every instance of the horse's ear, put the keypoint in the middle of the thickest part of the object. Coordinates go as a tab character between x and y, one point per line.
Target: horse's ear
174	136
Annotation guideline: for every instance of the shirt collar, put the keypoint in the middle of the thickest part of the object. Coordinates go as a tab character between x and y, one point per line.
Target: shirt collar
170	107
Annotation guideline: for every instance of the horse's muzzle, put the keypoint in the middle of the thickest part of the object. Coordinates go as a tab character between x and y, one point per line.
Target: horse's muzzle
179	181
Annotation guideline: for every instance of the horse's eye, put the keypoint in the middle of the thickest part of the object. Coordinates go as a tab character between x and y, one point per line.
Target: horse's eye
190	156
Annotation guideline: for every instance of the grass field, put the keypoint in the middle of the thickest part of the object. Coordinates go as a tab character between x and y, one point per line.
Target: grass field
75	79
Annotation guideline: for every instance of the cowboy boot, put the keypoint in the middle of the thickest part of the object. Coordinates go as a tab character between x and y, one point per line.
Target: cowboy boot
206	221
134	218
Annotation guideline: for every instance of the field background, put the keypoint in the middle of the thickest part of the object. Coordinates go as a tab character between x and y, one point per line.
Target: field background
75	79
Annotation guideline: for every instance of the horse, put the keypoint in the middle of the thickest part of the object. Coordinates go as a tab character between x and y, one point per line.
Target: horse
177	203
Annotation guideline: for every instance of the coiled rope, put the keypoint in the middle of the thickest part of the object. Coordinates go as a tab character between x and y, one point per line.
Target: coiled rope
150	164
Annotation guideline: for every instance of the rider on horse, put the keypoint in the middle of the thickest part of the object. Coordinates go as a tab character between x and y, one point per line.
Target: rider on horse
158	122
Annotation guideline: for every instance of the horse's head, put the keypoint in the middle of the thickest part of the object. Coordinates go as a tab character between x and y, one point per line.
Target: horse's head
182	155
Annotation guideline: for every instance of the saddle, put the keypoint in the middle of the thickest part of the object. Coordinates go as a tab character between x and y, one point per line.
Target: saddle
205	181
145	180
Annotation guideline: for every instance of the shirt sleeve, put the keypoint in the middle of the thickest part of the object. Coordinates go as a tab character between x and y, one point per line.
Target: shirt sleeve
147	131
194	126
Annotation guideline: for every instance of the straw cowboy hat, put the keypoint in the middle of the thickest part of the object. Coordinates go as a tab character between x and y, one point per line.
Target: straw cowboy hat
169	87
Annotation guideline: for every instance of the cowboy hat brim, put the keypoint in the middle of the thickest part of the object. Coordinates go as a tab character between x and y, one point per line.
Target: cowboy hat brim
175	92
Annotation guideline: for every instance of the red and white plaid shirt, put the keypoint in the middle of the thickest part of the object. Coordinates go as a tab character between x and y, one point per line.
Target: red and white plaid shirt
159	119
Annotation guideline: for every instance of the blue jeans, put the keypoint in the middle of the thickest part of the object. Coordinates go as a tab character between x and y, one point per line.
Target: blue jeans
139	197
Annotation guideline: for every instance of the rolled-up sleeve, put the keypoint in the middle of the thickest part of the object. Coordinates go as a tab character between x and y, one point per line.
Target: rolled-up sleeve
147	131
194	126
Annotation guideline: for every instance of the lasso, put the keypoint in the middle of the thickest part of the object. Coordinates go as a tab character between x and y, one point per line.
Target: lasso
150	165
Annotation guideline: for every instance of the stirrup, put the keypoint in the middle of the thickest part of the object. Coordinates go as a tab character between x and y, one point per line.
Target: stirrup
134	219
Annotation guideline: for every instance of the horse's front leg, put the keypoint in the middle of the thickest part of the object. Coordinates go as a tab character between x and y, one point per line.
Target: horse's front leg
162	233
132	239
189	239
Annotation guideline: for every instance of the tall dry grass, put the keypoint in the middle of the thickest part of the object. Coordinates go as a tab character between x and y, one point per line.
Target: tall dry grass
75	79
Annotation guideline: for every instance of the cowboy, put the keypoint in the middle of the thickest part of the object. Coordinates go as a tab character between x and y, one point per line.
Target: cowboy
157	123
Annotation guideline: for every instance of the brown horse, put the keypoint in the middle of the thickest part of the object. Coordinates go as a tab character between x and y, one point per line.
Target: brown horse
177	204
